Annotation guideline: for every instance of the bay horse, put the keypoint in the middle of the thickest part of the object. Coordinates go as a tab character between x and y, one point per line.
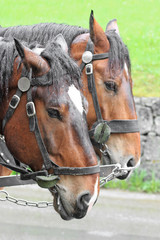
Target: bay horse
44	123
113	83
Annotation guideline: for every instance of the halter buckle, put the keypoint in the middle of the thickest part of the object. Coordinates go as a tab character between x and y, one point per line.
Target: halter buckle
89	69
30	108
14	101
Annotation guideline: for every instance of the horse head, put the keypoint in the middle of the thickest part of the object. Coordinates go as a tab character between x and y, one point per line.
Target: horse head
113	83
60	112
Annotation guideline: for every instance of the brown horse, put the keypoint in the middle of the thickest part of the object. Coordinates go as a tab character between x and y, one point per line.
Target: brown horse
60	112
112	76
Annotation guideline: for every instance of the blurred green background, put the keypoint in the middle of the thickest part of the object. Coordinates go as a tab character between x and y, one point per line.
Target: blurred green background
138	21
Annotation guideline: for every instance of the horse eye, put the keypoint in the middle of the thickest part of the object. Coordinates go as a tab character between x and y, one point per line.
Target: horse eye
54	113
110	85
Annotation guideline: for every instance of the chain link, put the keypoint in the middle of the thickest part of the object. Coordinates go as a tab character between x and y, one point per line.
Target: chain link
4	196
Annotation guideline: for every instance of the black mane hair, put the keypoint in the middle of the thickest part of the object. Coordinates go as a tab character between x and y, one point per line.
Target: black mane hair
63	68
43	32
118	53
8	53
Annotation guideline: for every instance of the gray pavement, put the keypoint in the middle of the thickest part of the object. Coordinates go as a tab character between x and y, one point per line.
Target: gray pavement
117	215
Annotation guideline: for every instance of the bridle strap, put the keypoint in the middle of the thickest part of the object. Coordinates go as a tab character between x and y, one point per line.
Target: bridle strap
33	125
117	125
120	126
77	171
91	80
12	107
100	56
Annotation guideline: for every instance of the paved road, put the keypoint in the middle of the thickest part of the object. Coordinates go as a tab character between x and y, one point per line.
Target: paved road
116	216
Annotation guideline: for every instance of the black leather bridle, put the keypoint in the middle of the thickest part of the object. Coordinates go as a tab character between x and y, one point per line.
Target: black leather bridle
102	129
99	132
24	85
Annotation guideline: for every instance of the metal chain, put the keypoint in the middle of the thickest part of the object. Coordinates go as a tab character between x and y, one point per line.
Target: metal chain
4	196
115	173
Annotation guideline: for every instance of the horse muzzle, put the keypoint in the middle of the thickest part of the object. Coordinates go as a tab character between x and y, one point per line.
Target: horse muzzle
70	208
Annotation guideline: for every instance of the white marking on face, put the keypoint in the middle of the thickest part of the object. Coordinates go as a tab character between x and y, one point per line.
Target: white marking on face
37	50
76	98
126	69
94	197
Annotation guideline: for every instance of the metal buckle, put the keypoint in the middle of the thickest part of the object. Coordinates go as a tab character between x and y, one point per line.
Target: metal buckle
30	108
14	101
89	69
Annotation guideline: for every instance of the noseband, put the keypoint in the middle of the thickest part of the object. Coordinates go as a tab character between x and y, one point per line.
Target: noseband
102	129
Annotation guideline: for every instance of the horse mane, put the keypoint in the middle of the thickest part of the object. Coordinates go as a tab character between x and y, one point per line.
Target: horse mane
118	53
8	53
43	32
60	62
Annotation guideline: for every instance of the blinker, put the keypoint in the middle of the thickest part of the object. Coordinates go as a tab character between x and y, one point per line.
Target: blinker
101	133
24	84
47	181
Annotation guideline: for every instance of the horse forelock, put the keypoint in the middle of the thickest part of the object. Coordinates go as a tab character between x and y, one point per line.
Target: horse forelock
63	68
118	54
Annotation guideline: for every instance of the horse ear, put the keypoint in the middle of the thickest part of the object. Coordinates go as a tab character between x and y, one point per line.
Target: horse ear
97	35
112	25
31	59
19	47
62	42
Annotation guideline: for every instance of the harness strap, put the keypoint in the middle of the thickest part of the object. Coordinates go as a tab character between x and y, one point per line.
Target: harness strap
12	107
77	171
120	126
91	80
33	124
100	56
92	89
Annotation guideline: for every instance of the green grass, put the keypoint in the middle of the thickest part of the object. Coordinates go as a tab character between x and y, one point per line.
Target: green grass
138	23
137	183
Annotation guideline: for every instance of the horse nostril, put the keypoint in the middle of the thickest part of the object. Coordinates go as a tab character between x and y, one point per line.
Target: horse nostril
131	162
83	200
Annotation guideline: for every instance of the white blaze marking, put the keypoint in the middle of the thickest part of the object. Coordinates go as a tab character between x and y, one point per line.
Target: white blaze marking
76	98
126	69
94	197
37	50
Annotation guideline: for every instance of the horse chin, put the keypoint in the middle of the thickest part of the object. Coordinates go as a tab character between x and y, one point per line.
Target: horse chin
124	176
60	209
64	209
